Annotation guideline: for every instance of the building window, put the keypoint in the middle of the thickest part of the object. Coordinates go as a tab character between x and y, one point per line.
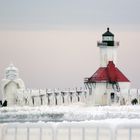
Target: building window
112	96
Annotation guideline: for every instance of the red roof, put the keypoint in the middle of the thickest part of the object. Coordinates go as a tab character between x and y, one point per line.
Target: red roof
108	74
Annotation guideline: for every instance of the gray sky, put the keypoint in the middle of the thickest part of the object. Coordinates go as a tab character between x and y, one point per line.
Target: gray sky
53	43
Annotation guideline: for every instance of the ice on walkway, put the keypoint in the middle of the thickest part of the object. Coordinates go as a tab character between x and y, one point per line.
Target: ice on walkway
70	123
67	113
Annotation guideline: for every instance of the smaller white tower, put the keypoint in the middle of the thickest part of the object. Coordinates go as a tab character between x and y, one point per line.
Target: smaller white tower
10	84
108	49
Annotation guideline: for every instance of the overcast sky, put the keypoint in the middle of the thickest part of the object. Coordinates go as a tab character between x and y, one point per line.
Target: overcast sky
53	42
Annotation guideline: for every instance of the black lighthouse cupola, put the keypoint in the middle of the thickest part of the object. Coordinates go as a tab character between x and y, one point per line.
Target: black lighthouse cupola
108	38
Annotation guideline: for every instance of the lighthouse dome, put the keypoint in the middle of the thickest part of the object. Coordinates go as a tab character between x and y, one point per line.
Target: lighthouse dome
108	33
11	72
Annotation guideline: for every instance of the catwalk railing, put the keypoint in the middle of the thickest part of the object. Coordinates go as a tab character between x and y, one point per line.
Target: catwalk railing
72	131
32	97
38	97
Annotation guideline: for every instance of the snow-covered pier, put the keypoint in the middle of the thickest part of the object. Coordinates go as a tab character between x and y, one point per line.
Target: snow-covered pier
76	122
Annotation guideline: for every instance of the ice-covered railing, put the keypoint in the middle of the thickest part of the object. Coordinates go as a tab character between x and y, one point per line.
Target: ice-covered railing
35	97
87	130
127	97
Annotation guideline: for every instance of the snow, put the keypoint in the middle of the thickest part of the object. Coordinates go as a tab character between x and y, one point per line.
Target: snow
104	122
105	129
67	113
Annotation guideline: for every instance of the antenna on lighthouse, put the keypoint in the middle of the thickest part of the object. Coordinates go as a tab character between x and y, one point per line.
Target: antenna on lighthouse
108	29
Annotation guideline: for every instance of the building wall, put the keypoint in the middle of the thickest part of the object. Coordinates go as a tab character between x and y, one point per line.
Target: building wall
108	94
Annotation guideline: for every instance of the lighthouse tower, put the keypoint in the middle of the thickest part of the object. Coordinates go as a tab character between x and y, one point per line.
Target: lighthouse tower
9	86
108	85
108	49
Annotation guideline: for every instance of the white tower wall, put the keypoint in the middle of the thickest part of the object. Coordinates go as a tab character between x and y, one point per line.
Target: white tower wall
10	92
108	53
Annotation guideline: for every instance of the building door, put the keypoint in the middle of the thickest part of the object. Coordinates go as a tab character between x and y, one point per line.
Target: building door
104	99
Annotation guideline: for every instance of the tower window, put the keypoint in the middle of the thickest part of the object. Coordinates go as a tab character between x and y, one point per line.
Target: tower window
108	38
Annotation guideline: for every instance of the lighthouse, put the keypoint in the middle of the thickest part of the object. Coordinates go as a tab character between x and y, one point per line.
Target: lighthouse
9	85
108	85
